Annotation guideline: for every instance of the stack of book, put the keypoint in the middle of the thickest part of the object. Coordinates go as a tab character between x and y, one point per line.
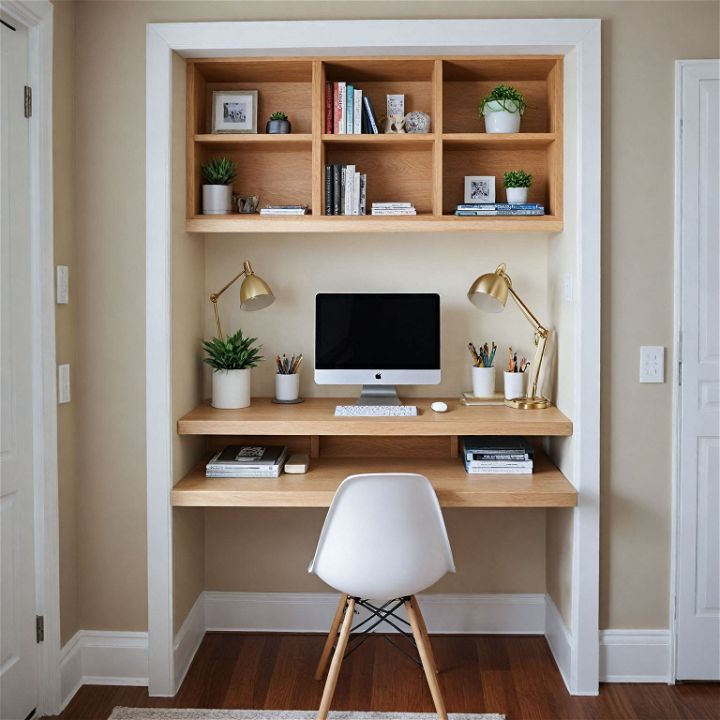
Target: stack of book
488	455
284	210
393	208
345	190
482	209
348	111
237	461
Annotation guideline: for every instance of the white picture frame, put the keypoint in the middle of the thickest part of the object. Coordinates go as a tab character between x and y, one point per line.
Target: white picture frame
479	189
234	111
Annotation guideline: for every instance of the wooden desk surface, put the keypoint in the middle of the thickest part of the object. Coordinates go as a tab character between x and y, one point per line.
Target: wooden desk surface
546	487
316	416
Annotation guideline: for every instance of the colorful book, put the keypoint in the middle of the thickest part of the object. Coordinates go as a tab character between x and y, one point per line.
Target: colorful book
350	110
328	107
342	97
336	108
370	113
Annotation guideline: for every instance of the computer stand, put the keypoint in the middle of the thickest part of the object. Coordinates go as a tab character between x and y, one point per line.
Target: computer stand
378	395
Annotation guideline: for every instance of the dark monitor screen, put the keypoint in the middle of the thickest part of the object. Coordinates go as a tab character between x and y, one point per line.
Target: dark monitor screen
369	331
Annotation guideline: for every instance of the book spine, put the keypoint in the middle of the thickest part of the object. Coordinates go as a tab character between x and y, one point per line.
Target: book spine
342	97
471	456
336	108
527	465
356	194
497	471
364	129
328	108
336	189
350	110
357	114
349	192
363	194
328	189
343	178
371	119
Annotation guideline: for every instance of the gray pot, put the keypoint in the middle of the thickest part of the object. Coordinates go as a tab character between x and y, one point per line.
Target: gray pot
217	199
278	127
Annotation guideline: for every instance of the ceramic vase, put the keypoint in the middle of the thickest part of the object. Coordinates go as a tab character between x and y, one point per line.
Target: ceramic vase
217	199
516	194
231	389
498	120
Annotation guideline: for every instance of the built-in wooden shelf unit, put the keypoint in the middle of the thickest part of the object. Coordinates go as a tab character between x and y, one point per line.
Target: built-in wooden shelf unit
427	170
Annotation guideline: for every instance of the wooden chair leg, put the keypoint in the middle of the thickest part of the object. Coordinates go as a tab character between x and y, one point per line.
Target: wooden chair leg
430	674
337	659
332	636
424	631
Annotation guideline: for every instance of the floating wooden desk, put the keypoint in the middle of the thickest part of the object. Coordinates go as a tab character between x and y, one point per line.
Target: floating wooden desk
342	446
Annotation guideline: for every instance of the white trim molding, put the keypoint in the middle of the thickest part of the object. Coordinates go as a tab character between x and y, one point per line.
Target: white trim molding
579	42
635	656
559	638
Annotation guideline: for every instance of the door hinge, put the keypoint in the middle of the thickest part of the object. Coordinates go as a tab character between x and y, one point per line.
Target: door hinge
28	101
39	628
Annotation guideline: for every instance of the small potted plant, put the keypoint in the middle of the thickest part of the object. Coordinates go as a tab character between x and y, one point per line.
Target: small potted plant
218	176
502	110
278	124
231	360
517	183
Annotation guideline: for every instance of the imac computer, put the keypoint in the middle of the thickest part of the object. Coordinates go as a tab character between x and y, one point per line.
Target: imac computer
377	340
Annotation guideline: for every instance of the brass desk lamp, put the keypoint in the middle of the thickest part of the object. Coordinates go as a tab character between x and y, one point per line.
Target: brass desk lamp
489	293
255	294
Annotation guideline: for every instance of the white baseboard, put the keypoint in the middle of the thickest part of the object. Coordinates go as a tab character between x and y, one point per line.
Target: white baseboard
559	638
188	639
635	656
93	657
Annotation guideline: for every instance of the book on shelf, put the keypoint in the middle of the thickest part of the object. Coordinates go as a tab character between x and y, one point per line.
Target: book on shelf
469	399
498	471
484	209
357	111
369	113
284	210
329	107
247	461
345	190
348	111
497	448
393	208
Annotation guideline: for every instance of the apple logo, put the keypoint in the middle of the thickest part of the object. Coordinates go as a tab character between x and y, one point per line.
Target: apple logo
378	376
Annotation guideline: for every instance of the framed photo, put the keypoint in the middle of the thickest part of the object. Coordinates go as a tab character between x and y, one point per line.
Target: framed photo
234	111
479	188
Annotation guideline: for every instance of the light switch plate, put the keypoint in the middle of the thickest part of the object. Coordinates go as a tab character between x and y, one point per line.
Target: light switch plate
63	383
652	364
62	287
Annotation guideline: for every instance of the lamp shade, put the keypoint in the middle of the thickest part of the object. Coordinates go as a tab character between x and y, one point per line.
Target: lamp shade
490	291
255	293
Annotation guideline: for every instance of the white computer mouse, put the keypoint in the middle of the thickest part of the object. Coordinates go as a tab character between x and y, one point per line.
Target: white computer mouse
439	407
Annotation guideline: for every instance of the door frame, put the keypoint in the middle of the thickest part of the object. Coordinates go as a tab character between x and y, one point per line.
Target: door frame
683	68
37	19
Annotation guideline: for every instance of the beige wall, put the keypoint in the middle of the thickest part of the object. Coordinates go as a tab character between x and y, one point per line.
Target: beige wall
641	41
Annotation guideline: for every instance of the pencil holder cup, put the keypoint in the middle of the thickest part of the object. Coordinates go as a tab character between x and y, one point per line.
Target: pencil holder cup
287	387
483	381
514	385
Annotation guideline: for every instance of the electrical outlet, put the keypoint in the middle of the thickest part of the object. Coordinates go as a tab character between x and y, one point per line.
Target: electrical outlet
62	289
63	383
652	364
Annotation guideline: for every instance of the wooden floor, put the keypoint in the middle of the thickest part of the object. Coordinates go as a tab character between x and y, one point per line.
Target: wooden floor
512	675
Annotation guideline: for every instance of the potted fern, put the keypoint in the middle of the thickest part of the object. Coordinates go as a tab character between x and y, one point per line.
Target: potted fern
231	360
218	176
278	124
517	183
502	109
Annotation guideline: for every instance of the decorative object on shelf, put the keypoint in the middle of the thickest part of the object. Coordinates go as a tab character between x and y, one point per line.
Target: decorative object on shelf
517	183
255	294
395	106
278	124
483	370
234	111
479	189
502	110
231	360
394	124
218	176
417	122
489	292
287	378
246	204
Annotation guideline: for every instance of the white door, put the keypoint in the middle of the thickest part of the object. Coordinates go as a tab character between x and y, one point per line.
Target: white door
18	689
698	492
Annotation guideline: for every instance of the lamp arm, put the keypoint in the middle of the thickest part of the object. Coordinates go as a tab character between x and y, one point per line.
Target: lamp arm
214	297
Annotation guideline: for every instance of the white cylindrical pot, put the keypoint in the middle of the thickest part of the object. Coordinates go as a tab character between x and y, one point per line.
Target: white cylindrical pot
217	199
514	385
498	120
231	389
287	387
516	195
483	381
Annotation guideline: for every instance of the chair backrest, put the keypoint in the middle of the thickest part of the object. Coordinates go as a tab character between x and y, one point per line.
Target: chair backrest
383	537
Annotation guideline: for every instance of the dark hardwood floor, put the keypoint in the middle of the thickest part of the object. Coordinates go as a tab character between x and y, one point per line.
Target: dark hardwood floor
514	675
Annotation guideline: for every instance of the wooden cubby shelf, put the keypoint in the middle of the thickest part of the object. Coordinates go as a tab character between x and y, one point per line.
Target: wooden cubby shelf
425	169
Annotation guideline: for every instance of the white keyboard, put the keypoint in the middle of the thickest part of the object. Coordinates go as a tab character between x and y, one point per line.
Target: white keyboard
375	411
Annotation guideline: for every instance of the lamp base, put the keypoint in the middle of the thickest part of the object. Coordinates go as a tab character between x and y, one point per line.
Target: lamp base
524	403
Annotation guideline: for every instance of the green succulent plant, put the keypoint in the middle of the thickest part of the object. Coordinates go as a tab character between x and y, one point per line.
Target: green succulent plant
517	179
278	116
509	99
234	353
220	171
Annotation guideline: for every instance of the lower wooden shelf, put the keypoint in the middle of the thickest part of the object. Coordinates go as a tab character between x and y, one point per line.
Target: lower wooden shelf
546	487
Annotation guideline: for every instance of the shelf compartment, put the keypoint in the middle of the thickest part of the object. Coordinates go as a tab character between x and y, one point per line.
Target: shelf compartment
546	487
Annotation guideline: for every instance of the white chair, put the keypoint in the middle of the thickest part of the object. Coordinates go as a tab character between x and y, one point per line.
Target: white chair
384	538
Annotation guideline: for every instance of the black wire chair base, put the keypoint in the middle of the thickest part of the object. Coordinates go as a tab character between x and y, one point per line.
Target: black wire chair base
378	615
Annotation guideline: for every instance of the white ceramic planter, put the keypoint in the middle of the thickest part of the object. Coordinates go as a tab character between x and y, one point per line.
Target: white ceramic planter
231	389
498	120
217	199
483	381
287	387
516	195
514	385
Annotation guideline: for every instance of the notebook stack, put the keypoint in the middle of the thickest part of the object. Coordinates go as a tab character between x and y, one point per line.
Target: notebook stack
488	455
237	461
483	209
284	210
393	208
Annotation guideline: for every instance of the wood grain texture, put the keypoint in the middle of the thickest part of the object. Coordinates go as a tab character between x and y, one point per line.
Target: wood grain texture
316	417
514	675
318	150
546	487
